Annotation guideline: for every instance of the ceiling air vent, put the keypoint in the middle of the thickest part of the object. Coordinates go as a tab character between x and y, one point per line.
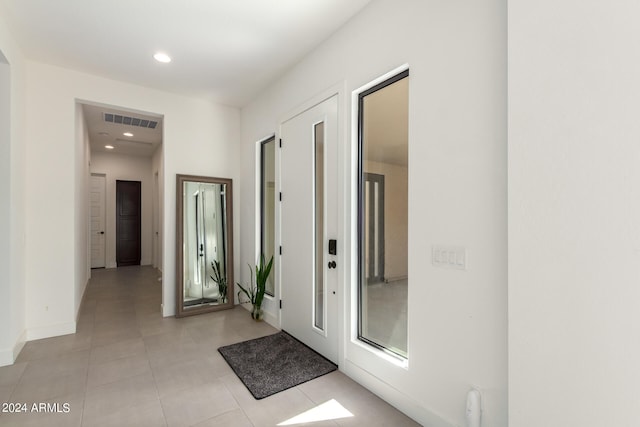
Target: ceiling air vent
130	121
131	141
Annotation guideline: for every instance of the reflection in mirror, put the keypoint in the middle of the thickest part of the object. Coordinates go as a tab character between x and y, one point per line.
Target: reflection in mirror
204	245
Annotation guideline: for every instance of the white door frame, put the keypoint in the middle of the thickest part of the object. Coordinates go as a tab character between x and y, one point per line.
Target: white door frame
343	257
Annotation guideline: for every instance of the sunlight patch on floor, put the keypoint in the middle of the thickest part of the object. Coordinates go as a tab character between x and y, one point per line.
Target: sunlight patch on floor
331	410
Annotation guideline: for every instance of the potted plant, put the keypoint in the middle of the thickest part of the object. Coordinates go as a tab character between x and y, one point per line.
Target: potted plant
220	280
255	291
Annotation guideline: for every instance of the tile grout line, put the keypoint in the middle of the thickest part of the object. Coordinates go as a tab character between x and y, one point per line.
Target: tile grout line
238	403
155	382
15	385
91	347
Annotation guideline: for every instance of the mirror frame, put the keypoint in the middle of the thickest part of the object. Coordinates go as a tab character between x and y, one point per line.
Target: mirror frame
180	181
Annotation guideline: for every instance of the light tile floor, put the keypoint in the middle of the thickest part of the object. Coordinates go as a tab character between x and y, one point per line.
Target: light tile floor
386	320
128	366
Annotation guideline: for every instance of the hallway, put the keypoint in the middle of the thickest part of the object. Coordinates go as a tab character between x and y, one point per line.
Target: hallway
128	366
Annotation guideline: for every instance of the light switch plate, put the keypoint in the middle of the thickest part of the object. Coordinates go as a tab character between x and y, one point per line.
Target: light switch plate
449	257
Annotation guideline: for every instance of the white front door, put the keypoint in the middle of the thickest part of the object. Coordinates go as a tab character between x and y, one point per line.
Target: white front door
97	193
309	274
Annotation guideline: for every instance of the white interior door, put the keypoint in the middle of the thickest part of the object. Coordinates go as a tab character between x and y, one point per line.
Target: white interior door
309	274
97	191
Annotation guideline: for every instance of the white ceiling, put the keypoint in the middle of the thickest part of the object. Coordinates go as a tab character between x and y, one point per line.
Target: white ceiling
144	141
224	50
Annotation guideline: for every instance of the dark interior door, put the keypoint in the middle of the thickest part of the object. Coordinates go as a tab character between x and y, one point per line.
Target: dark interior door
128	216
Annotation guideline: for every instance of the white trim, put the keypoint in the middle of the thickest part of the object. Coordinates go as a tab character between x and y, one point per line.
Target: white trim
39	332
17	348
9	356
269	318
81	101
336	89
272	319
84	292
168	310
394	397
398	361
6	357
369	85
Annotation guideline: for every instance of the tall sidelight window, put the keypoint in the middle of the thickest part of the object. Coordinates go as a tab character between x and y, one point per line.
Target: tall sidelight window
318	291
383	123
268	204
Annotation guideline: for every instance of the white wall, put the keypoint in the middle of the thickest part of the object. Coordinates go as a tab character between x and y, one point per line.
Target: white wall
199	138
456	52
574	213
127	168
12	199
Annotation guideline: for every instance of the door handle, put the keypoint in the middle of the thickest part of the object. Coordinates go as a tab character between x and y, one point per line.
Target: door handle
102	232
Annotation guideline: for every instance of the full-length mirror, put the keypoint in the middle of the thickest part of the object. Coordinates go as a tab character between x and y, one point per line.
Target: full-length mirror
204	244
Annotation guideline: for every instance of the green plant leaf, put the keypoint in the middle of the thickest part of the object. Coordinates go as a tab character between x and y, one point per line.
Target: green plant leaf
255	290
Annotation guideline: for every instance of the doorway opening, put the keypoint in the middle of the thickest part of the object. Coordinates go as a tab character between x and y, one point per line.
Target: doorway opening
126	153
128	222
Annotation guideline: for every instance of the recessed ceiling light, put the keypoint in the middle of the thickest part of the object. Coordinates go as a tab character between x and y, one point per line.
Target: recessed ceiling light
162	57
109	147
127	134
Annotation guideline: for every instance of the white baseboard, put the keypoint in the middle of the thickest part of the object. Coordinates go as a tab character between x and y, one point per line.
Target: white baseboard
394	397
168	310
143	263
84	293
271	319
6	357
17	348
9	356
49	331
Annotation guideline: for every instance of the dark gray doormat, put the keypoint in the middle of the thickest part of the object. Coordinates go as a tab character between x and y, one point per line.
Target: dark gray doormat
274	363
